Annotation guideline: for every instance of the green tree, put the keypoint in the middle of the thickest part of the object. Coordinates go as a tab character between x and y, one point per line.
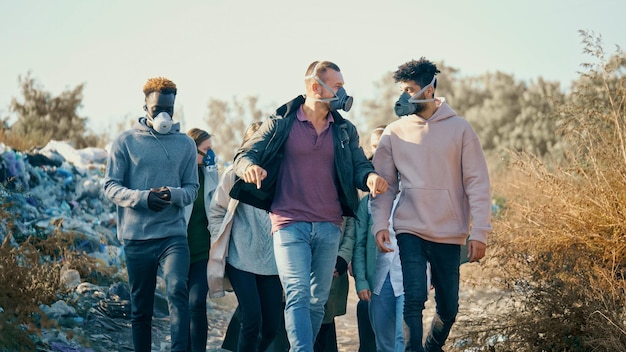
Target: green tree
494	117
535	127
42	117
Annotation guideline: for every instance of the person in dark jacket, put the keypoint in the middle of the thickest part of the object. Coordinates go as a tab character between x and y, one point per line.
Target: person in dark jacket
198	238
304	165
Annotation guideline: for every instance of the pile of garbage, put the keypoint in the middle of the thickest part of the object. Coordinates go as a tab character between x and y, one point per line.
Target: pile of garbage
61	186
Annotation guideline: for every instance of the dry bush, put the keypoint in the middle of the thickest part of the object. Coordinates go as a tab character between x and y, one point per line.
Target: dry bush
22	142
561	244
30	276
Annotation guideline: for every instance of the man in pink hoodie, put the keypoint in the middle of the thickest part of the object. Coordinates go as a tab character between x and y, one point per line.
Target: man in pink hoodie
434	158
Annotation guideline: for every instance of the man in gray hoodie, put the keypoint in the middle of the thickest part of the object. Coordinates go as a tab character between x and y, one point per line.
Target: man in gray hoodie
151	175
435	158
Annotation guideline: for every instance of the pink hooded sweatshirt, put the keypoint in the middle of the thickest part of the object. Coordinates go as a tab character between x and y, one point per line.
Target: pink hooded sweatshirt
439	168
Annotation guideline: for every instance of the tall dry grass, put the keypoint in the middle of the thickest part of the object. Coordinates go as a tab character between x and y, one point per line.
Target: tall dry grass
560	247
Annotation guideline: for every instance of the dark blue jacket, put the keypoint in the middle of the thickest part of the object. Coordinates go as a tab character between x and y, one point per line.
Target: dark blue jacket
265	149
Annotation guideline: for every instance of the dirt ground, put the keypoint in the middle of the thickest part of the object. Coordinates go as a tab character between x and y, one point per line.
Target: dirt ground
475	299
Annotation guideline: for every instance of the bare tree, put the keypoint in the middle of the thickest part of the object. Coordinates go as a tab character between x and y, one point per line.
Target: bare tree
227	122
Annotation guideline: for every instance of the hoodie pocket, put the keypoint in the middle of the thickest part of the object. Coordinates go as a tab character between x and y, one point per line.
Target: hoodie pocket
427	211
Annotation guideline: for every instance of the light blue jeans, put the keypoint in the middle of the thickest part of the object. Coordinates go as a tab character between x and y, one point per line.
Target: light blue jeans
143	260
306	254
386	317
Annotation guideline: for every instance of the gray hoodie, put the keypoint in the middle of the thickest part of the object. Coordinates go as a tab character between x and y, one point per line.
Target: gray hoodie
141	159
440	167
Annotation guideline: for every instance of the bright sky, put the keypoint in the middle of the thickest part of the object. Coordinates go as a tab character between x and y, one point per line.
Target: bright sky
221	49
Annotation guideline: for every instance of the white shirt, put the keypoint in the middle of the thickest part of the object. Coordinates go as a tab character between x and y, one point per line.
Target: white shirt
388	263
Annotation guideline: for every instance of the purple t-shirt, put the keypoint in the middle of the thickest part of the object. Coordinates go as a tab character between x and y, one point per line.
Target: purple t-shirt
307	187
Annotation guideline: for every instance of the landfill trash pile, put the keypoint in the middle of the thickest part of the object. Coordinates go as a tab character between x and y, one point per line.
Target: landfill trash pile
60	186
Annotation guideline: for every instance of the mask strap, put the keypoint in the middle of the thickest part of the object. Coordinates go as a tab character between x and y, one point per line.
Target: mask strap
201	152
413	98
328	89
314	72
318	80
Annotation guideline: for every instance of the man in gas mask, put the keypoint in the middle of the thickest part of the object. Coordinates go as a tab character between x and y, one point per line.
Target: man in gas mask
151	175
435	158
304	165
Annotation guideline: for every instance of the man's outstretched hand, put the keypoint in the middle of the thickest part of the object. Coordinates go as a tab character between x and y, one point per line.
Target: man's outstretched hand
376	184
255	174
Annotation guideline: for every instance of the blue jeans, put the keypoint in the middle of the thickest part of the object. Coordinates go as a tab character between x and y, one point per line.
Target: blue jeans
261	305
143	260
386	317
306	254
444	263
198	324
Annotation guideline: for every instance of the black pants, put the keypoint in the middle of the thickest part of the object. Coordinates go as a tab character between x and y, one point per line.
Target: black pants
367	341
260	310
231	340
326	340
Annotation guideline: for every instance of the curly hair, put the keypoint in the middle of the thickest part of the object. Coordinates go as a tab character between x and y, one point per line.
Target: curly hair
420	71
159	84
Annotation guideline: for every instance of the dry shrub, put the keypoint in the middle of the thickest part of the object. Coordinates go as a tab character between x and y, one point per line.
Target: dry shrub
30	276
561	244
21	142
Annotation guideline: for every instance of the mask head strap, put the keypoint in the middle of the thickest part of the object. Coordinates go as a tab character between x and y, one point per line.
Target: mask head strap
414	97
318	80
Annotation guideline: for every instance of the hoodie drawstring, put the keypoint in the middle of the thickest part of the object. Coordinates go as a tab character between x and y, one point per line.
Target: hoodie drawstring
162	146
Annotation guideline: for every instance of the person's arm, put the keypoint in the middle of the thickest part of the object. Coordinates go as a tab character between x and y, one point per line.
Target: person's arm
219	203
188	190
211	181
359	258
365	177
478	190
385	166
347	241
251	153
114	188
361	165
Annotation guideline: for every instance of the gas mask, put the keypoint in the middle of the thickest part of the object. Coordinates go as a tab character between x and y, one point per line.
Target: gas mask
209	159
407	104
162	123
341	99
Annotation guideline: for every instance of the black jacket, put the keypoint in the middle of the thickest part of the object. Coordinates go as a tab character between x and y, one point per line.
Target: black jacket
265	149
